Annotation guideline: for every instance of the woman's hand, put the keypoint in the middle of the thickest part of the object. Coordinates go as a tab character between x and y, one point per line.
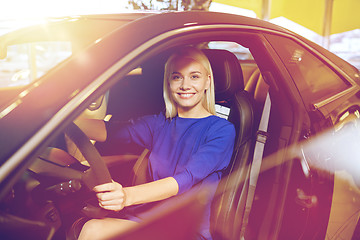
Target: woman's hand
111	196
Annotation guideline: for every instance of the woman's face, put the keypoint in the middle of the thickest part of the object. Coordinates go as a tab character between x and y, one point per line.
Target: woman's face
188	82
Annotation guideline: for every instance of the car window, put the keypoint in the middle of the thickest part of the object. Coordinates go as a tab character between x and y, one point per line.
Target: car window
26	62
315	80
241	52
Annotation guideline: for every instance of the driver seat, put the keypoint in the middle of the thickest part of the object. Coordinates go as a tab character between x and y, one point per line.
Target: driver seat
228	204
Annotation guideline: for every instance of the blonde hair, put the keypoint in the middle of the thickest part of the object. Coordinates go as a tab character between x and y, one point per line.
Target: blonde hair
198	56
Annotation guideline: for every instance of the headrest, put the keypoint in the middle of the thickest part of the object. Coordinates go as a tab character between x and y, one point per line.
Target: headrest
228	77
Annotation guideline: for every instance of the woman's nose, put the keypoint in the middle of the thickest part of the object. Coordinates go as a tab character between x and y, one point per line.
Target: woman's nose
185	84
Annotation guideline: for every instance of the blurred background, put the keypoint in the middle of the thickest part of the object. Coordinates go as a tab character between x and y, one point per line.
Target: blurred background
335	25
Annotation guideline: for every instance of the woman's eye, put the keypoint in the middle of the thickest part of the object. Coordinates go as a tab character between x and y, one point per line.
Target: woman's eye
175	77
195	76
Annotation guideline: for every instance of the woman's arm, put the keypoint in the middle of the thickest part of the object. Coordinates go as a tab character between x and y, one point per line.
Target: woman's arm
112	196
93	128
151	192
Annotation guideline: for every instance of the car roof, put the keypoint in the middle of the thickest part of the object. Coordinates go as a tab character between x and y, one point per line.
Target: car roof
82	30
85	29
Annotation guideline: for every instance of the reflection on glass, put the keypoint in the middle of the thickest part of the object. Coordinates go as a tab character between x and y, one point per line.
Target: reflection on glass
26	62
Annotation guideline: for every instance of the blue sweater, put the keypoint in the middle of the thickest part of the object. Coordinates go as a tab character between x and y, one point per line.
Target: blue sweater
194	151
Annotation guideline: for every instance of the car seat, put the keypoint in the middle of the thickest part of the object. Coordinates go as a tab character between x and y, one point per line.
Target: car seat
229	201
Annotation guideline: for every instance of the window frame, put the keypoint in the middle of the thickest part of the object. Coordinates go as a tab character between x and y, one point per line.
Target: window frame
325	105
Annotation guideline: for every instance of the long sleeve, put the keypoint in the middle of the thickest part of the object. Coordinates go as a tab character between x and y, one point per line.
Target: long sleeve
139	131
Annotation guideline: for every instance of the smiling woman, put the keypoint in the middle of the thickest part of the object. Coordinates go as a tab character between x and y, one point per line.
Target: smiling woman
189	85
190	147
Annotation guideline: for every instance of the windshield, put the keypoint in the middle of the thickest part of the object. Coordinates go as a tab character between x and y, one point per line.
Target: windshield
27	54
28	61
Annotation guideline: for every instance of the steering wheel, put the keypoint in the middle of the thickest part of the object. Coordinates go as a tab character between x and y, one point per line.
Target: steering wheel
99	172
43	219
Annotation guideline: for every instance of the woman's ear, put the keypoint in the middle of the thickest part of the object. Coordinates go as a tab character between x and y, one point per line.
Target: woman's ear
208	82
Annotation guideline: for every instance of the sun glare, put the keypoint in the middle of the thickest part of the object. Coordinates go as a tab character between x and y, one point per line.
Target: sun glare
22	9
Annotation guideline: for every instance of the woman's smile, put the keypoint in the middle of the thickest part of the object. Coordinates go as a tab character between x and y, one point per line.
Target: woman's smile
186	95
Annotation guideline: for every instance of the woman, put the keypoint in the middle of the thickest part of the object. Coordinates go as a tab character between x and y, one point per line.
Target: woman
189	145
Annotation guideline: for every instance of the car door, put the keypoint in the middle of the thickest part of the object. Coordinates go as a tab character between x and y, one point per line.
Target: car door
283	204
328	94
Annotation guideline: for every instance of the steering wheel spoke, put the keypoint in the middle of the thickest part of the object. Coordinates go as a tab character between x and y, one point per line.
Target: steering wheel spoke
99	172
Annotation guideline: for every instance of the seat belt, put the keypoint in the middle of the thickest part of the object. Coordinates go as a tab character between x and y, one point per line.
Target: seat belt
261	137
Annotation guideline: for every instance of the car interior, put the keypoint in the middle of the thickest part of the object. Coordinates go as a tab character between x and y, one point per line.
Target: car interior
57	192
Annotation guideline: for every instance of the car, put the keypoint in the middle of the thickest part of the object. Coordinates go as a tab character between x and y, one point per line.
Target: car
295	107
